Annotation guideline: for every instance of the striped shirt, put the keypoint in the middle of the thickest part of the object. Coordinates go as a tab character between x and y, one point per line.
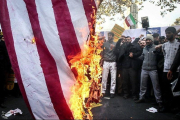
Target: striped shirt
169	50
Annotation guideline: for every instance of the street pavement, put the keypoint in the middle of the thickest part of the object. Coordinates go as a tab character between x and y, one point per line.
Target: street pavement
127	109
114	108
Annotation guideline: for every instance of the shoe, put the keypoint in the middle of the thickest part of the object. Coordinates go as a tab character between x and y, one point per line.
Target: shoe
112	96
174	110
119	94
125	97
140	101
155	103
177	116
161	108
2	105
135	98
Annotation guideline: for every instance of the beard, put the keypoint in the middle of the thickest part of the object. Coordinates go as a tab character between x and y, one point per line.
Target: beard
156	42
170	37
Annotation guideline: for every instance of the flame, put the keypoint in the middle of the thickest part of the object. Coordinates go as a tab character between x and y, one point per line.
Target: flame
87	88
33	40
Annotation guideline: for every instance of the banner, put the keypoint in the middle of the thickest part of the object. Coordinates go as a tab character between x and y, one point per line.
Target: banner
117	30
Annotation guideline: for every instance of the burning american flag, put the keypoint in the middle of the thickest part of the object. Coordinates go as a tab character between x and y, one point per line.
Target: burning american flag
40	35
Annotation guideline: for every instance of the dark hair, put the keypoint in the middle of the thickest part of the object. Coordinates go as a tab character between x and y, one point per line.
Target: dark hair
162	37
111	33
155	35
171	29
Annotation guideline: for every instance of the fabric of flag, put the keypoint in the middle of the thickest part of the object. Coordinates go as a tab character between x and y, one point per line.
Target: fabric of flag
42	68
130	20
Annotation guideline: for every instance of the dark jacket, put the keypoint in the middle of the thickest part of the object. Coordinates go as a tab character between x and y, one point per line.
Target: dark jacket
4	58
128	62
117	51
176	61
174	67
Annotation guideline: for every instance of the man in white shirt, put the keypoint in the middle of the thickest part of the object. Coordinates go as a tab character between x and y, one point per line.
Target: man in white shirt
169	50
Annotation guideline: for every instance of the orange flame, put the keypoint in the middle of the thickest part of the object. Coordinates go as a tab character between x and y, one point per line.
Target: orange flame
33	40
87	88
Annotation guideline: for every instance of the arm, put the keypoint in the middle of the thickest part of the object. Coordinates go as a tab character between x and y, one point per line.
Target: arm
138	53
117	47
136	40
176	62
175	65
142	56
163	46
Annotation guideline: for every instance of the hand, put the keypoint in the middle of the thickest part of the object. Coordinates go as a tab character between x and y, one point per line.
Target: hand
101	62
141	36
169	75
111	46
131	54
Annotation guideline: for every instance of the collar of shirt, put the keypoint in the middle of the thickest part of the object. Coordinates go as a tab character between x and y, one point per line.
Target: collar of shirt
173	41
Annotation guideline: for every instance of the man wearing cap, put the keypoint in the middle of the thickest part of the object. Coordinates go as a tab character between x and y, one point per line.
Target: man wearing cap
169	50
149	68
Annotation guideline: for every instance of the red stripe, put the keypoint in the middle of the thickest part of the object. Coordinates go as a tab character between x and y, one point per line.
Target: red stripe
48	65
89	7
66	30
6	27
127	23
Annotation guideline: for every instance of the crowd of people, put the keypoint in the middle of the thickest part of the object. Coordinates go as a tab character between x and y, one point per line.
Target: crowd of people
136	67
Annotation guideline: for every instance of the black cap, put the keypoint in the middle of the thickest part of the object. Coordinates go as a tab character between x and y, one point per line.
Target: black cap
155	35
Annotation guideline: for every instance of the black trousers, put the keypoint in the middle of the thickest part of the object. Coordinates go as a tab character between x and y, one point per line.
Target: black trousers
119	82
130	77
2	83
167	95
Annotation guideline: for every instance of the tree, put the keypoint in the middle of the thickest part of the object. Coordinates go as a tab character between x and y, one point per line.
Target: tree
112	7
177	22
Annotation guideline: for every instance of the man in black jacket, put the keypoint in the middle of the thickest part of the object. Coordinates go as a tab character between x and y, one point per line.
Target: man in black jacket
128	57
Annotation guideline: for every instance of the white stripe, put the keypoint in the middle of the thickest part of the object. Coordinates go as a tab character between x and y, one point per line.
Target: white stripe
29	63
129	20
53	43
79	20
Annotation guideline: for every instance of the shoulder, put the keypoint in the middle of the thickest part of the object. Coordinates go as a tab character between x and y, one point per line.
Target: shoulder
164	44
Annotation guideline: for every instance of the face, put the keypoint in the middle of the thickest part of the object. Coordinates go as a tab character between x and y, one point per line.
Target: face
169	35
122	37
143	44
123	40
148	41
128	39
110	37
